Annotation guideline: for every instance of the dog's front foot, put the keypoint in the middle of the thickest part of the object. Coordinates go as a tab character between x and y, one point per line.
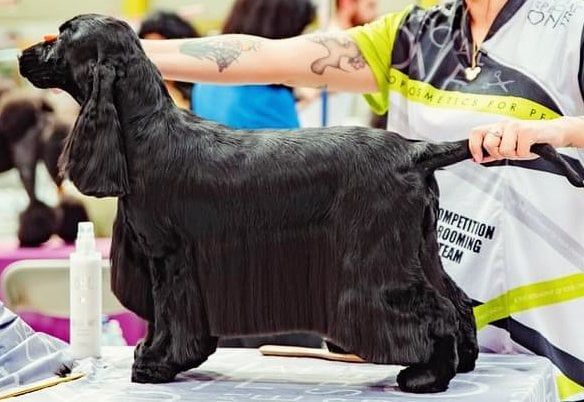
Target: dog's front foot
421	380
153	373
148	370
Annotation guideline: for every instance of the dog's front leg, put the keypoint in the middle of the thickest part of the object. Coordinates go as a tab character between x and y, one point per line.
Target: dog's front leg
152	364
178	336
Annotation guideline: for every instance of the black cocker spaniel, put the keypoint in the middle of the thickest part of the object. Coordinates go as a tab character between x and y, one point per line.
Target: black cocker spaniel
223	233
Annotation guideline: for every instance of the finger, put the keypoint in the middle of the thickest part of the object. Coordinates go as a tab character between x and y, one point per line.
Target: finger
508	146
524	144
475	143
491	143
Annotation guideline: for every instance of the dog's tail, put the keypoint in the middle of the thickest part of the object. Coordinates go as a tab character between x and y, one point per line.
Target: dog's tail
432	156
437	155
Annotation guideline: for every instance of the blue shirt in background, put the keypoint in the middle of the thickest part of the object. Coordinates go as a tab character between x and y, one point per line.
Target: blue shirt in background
246	107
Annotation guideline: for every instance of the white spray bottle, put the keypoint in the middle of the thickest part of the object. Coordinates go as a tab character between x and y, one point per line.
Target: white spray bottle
85	295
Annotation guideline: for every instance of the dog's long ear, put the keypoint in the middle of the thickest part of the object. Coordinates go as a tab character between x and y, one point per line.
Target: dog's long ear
94	154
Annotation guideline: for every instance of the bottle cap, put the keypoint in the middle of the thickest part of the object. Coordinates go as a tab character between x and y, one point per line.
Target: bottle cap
85	238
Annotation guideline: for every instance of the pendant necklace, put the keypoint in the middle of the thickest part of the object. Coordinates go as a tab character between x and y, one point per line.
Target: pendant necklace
473	71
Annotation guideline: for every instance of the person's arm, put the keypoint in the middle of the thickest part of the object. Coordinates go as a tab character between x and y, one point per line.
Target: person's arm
575	131
332	60
513	140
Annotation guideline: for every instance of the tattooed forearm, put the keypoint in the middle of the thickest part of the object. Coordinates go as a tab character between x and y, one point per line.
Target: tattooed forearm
222	51
339	48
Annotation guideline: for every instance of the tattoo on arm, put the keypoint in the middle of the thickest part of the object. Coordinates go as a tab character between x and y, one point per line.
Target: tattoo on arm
221	51
339	49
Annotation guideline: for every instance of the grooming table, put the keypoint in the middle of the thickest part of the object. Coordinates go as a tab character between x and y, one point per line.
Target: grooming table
246	375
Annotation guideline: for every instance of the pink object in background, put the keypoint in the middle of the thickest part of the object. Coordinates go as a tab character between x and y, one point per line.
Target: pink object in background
133	327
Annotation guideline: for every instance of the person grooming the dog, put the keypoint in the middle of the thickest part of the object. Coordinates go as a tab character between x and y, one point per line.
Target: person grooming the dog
505	73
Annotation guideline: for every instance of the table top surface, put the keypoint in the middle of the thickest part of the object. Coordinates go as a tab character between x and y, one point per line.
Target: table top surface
246	375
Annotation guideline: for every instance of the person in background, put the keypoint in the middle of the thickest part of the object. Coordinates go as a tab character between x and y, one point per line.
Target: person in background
343	108
168	25
349	14
256	106
352	13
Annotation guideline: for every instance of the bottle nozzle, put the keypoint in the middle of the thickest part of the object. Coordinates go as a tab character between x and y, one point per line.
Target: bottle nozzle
85	237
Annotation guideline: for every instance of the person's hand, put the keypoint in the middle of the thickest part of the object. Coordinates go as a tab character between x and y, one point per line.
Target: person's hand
513	139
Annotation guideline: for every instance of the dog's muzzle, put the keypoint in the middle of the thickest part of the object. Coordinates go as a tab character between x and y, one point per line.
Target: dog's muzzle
42	74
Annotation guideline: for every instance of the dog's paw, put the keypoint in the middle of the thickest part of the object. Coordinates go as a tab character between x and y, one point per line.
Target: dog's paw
468	352
153	373
466	359
421	380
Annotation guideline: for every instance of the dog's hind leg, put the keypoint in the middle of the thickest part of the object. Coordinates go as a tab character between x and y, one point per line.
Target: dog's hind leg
466	333
435	375
179	337
431	327
389	313
467	344
411	325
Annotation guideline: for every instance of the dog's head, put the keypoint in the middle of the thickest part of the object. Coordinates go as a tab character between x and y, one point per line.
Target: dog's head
89	59
85	44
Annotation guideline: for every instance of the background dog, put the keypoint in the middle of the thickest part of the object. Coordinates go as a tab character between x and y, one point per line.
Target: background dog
222	232
29	134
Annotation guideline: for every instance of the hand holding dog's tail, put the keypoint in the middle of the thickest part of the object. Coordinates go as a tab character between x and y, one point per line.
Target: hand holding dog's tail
435	156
